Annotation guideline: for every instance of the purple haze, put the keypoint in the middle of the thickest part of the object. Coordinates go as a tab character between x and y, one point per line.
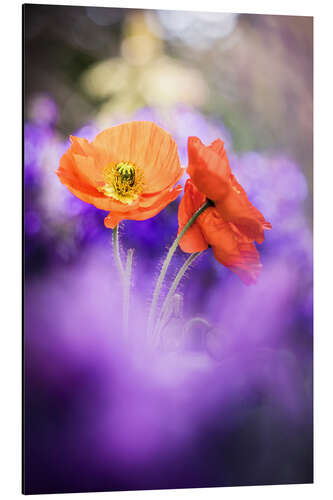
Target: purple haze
228	405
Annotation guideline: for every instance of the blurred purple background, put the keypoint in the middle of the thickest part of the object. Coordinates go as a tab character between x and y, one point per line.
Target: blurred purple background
232	405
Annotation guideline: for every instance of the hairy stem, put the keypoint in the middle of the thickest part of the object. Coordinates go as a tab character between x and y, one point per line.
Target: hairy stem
125	276
166	263
115	240
175	283
126	289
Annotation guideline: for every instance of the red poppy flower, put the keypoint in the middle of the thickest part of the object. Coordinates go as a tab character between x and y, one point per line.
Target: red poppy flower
232	224
129	170
210	172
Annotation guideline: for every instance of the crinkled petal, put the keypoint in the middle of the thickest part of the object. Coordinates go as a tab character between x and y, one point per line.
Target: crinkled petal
143	213
146	145
73	172
142	143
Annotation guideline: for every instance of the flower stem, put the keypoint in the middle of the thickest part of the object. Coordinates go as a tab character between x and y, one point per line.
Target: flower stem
175	283
115	240
166	263
125	276
126	289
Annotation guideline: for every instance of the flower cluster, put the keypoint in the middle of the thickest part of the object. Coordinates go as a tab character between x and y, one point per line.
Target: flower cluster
131	170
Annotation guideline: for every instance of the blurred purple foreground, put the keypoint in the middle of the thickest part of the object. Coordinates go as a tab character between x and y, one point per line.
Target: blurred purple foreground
105	414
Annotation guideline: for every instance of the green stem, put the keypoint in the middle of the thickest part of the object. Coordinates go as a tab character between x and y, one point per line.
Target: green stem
125	276
115	240
166	263
175	283
126	289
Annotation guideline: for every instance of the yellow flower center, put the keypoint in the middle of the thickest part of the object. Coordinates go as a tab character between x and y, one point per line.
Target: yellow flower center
123	182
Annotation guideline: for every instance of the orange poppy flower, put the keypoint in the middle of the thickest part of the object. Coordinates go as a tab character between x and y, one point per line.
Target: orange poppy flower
129	170
231	224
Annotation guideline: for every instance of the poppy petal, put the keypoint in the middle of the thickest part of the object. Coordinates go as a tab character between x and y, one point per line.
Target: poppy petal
112	220
71	173
207	171
230	248
236	207
85	170
146	145
193	239
143	213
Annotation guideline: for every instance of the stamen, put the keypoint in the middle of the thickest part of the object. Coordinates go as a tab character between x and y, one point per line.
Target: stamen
123	182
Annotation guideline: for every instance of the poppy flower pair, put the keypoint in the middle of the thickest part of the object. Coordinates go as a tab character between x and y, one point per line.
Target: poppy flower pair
131	170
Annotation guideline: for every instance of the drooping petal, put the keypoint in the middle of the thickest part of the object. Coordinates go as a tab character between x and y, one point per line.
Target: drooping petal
235	206
230	248
208	171
248	266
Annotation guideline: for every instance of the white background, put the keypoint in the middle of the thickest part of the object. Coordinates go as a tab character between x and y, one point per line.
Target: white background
10	248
